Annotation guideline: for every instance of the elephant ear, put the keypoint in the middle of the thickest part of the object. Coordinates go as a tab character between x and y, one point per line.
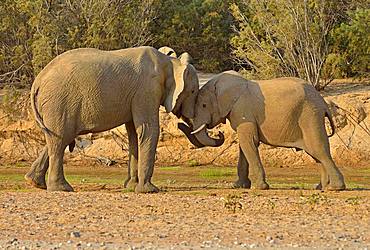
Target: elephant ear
186	58
168	51
175	86
228	89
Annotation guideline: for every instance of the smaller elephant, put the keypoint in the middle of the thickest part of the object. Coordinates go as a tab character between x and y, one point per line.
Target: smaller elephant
286	112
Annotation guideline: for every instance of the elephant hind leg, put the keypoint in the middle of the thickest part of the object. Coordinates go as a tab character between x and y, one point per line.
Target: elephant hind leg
132	177
317	146
36	175
56	180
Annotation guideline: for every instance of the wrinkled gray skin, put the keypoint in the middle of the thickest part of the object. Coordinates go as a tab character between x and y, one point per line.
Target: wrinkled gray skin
88	91
286	112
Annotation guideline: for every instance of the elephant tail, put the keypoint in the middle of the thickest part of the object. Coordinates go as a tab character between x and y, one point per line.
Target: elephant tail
332	126
38	118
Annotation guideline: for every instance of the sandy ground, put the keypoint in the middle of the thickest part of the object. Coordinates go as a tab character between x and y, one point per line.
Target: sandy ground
195	209
214	219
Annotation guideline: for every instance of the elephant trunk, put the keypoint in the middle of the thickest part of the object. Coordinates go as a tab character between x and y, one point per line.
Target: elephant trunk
187	131
201	138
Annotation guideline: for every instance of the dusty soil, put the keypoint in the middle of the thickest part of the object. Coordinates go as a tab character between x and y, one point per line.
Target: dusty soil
196	207
186	220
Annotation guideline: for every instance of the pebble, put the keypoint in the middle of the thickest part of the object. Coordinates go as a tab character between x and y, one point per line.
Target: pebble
75	234
184	243
13	241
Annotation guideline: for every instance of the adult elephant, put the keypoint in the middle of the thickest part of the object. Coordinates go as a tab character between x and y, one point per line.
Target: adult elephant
286	112
88	91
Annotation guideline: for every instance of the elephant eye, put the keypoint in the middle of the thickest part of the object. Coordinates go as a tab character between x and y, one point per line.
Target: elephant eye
204	105
192	91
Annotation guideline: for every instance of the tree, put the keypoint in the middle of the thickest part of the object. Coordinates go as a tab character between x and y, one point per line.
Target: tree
35	31
285	37
200	27
350	55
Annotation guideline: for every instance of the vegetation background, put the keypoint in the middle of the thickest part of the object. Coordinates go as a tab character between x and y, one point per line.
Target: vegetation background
317	40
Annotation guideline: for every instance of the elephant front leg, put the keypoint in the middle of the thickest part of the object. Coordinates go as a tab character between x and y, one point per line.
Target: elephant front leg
132	176
243	172
148	134
248	139
36	175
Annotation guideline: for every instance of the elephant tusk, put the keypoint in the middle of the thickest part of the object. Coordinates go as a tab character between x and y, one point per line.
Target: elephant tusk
199	129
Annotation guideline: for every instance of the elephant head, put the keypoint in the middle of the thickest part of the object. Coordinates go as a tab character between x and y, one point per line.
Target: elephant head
182	88
213	105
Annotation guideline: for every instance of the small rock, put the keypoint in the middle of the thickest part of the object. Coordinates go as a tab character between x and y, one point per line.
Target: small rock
69	242
75	234
184	243
253	245
89	245
207	243
13	241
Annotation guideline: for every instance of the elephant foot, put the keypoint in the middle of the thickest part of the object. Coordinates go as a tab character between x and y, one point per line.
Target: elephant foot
262	186
36	181
131	183
339	187
318	186
242	184
60	186
146	188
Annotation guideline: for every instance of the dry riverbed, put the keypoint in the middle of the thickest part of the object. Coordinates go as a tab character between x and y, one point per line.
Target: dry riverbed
196	209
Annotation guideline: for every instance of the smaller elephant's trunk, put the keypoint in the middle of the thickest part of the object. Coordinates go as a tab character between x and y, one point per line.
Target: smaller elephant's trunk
201	138
187	131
